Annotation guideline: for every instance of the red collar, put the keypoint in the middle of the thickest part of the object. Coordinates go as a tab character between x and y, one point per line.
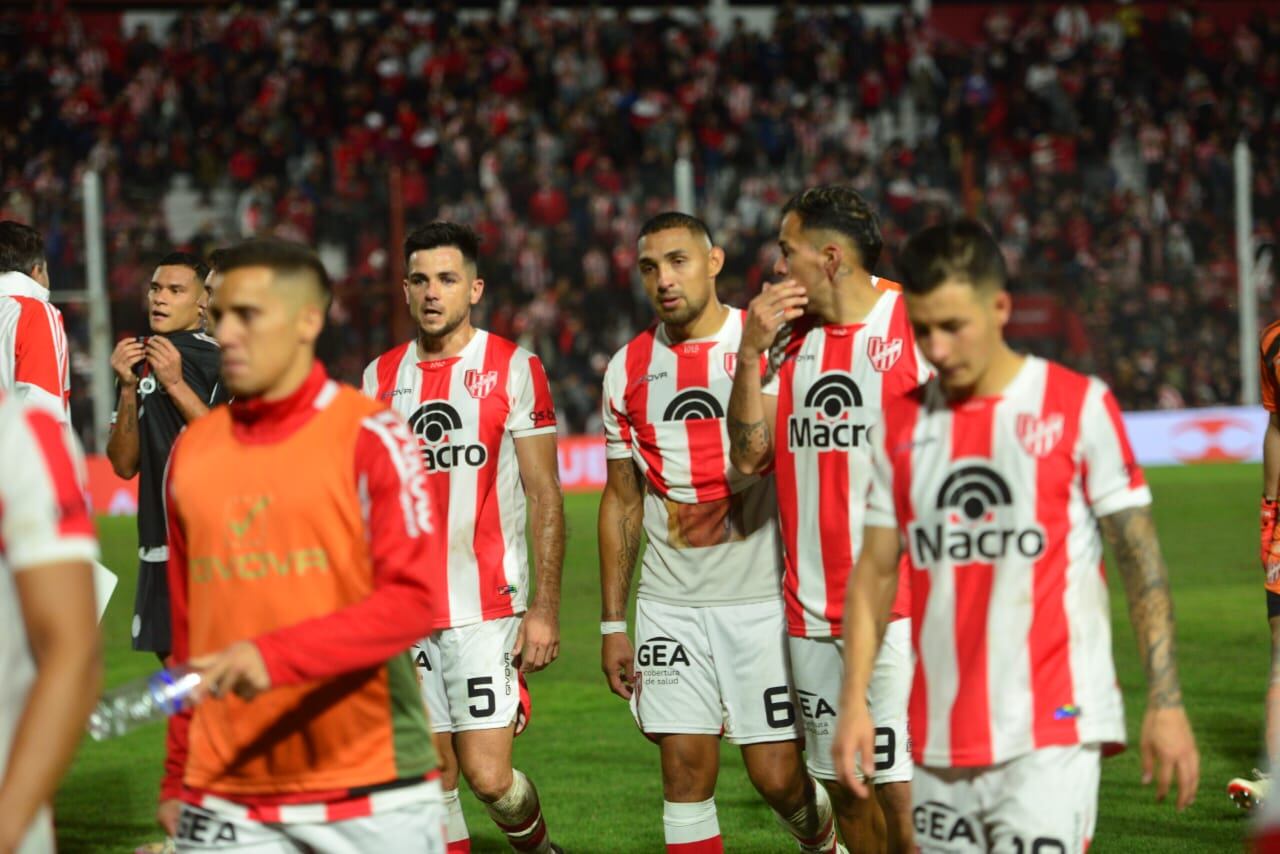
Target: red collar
255	420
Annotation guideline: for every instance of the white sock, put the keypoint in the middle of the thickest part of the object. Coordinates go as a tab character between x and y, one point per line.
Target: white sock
692	823
813	825
456	825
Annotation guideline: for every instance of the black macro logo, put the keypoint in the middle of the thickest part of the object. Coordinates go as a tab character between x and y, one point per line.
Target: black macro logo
692	404
974	490
433	421
833	394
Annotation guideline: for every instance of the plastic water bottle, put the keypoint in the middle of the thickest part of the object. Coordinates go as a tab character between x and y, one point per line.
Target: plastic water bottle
142	701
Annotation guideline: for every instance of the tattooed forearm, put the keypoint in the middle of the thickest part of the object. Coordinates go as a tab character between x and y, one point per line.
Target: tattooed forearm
548	539
619	534
748	439
1132	536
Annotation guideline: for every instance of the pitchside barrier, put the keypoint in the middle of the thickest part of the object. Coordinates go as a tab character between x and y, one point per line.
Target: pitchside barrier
1161	438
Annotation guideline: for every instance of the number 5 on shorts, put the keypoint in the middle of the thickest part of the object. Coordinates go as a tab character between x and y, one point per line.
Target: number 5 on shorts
476	690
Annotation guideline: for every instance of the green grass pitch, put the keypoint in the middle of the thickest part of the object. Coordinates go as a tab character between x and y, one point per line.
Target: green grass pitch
599	779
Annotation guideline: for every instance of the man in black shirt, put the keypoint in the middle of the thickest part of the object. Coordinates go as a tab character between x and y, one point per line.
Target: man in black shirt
163	381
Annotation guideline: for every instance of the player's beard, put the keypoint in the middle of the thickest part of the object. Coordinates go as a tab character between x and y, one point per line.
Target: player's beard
686	314
450	326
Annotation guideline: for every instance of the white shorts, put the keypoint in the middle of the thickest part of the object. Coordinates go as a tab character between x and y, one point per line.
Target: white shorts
39	838
415	825
468	680
1044	802
715	670
818	665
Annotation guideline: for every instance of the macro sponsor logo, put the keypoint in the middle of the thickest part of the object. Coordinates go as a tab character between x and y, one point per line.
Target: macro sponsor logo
973	504
828	419
693	404
432	423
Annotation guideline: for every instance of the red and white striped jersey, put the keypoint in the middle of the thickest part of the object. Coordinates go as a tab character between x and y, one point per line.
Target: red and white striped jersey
712	530
34	360
998	499
43	520
467	412
832	385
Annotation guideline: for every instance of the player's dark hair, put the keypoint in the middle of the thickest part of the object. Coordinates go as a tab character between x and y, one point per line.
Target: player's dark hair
962	250
441	233
841	209
674	219
21	247
186	259
283	257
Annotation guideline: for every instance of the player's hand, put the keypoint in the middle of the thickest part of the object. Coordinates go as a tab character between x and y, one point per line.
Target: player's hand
537	640
127	354
854	745
775	305
167	815
165	360
1269	512
238	669
1169	748
617	660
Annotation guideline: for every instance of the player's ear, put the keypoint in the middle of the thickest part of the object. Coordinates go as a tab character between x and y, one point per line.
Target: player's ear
832	258
310	321
1001	306
477	290
715	261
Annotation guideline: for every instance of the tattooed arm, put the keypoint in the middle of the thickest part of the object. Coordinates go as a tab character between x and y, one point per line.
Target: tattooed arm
538	643
619	526
752	413
1167	741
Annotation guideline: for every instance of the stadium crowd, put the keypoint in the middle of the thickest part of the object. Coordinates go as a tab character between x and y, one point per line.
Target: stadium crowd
1098	148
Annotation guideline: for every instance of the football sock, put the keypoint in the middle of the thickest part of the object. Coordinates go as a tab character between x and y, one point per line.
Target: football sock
519	815
692	828
456	825
814	824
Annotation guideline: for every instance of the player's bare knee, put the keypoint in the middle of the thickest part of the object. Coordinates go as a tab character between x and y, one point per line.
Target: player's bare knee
489	782
782	786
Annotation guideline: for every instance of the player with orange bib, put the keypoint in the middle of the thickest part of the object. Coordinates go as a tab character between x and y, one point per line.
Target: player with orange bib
298	530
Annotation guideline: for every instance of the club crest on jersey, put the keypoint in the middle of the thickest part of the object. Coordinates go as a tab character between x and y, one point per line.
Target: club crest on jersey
829	418
883	352
1038	435
433	423
971	521
730	363
479	384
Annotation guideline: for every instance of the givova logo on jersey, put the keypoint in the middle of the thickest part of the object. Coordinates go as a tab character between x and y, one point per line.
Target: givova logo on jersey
432	423
973	521
829	418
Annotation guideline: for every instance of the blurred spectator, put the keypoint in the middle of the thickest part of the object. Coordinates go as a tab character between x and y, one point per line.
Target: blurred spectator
1096	144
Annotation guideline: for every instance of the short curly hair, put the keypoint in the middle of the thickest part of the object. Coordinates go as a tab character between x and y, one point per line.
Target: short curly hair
841	209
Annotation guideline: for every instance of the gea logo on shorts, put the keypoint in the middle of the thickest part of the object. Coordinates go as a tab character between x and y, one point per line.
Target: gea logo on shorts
826	421
814	706
974	504
431	423
693	404
661	652
941	823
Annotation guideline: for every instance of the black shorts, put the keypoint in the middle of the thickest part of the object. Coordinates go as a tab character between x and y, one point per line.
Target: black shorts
1273	604
151	609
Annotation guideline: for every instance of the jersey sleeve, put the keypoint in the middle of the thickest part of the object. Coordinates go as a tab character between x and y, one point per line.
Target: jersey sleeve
1112	477
40	358
402	607
44	518
532	410
881	511
613	413
200	370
